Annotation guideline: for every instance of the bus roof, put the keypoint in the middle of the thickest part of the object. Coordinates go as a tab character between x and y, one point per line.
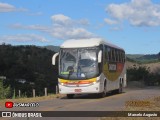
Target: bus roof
92	42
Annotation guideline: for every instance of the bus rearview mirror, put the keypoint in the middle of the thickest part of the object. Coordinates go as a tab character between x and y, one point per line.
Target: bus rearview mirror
54	58
100	56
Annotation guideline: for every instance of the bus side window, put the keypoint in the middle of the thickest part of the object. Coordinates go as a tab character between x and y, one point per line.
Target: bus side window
106	54
109	53
123	57
120	56
117	55
113	55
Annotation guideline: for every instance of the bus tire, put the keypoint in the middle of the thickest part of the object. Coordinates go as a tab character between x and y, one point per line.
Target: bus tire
120	90
70	96
103	94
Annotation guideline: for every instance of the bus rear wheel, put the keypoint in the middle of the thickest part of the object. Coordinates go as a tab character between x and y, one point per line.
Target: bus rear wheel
102	95
120	90
70	96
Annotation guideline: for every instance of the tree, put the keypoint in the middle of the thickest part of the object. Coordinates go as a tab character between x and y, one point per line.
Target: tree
30	63
138	73
143	74
5	91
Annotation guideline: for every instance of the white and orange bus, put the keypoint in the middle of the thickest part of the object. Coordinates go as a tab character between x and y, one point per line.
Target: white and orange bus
89	66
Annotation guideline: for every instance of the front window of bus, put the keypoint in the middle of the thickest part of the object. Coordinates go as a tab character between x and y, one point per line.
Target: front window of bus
78	63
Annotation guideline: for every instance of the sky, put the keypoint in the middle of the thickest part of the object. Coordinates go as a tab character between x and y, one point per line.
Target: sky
131	24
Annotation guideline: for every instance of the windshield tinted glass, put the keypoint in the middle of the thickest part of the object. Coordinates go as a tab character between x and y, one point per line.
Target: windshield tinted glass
78	63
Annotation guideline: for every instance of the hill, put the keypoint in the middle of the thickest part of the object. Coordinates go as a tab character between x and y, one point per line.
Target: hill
53	48
141	58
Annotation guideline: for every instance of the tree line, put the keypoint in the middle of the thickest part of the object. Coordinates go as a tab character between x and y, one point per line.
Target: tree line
27	68
143	75
141	59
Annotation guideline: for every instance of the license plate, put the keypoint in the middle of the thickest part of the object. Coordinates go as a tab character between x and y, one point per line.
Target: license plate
78	90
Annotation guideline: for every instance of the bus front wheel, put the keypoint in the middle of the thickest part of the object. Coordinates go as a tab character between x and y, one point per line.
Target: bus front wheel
70	96
103	94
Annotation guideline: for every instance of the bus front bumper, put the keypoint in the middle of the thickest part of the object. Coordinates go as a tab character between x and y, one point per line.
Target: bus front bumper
92	88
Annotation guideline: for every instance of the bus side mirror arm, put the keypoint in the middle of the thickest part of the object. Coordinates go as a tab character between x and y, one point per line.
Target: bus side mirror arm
100	56
54	58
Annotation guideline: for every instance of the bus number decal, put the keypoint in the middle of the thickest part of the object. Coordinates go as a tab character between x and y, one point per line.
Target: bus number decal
112	67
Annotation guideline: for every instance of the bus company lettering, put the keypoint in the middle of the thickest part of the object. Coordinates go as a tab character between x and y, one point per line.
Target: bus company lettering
112	67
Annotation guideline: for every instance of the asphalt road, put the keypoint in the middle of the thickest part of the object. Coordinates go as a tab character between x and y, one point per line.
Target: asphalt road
112	102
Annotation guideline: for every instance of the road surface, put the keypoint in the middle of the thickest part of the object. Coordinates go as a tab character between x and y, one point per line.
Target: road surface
112	102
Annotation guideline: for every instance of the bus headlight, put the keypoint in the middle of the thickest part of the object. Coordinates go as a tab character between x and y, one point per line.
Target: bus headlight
98	79
61	83
94	82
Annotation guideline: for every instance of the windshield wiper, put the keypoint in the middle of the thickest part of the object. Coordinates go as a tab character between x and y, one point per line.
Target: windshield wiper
70	73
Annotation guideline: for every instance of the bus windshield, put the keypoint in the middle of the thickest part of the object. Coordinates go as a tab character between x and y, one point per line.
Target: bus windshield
79	63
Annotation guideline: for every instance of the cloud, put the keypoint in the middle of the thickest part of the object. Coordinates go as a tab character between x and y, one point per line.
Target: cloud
5	7
83	22
63	27
66	28
36	14
110	22
137	13
61	19
115	28
31	27
70	33
22	38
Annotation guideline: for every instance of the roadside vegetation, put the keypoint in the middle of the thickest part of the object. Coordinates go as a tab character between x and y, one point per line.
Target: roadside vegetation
143	75
26	68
